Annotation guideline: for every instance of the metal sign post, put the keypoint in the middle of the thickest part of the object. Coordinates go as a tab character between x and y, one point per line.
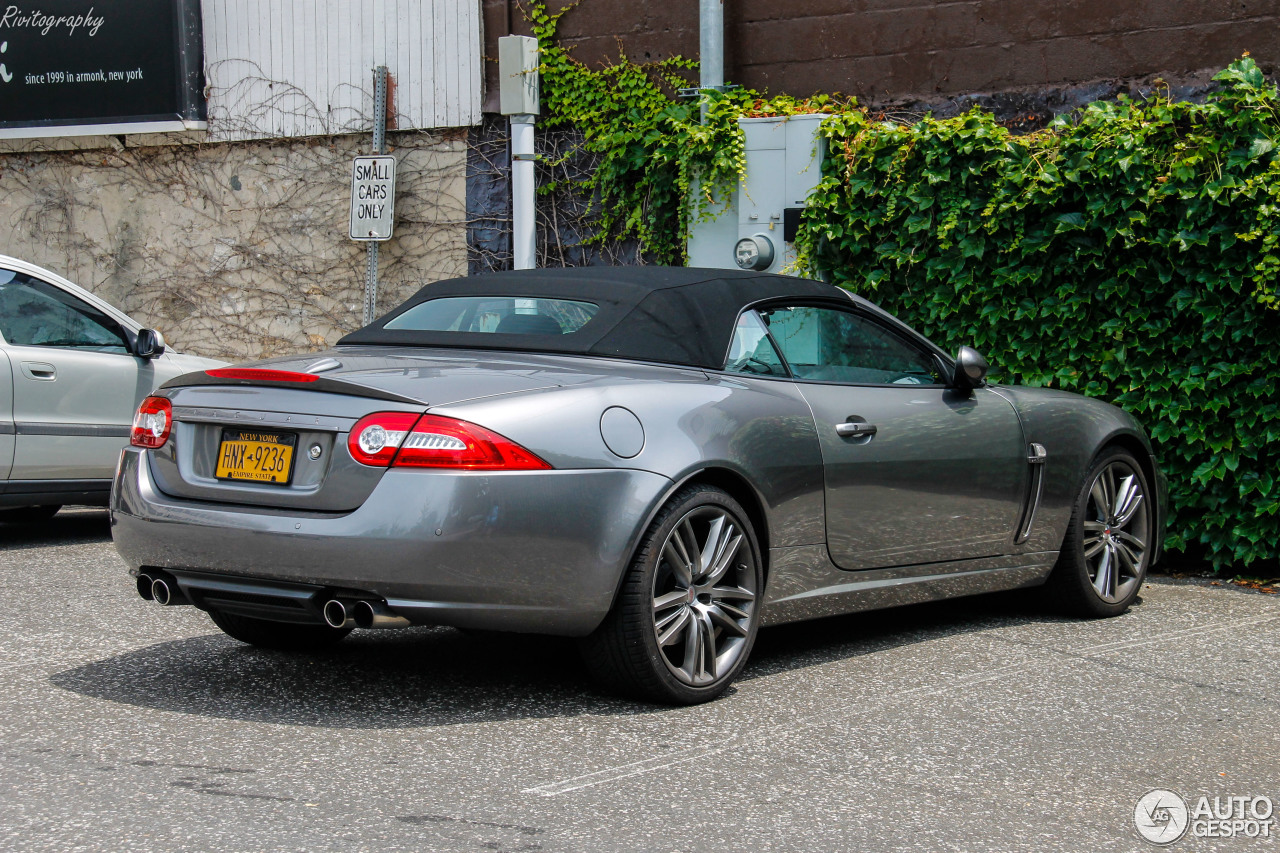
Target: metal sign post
373	195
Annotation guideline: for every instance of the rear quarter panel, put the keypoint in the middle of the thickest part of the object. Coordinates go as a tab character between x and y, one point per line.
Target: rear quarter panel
761	431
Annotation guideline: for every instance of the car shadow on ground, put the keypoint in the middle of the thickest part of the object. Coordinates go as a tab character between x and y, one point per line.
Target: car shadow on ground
422	677
71	526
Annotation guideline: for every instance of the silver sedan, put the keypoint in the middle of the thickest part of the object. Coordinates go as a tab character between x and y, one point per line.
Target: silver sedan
657	461
73	370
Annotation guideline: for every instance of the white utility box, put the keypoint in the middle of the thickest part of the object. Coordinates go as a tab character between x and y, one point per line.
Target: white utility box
518	89
756	229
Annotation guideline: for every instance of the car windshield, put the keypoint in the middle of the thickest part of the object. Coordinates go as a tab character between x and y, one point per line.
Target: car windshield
496	314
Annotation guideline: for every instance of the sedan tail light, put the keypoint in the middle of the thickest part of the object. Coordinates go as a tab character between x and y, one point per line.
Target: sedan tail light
402	440
152	423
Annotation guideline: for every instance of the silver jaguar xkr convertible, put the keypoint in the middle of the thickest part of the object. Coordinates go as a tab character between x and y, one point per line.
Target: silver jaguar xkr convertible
655	460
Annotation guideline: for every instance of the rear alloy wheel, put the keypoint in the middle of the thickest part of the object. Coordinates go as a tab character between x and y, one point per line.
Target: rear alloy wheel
688	612
1107	550
285	636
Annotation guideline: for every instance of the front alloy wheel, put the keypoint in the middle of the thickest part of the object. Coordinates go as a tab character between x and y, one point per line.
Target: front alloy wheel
688	610
1116	532
1107	549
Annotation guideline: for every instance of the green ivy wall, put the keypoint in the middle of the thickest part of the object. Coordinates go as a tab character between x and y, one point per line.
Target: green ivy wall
1128	252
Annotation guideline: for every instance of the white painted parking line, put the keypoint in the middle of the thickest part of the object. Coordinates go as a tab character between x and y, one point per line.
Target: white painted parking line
637	768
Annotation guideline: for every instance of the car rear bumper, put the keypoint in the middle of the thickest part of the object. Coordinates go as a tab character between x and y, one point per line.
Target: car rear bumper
535	551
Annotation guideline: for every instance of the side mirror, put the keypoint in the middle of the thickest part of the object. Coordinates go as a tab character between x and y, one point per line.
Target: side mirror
150	344
971	369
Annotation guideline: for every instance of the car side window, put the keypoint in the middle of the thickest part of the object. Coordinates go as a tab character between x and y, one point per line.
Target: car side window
751	351
34	313
830	345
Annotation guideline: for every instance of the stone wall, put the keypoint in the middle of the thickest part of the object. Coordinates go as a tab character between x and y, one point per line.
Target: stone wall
235	251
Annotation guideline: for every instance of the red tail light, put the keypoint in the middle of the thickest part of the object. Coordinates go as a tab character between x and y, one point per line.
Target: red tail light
261	374
152	423
401	440
375	438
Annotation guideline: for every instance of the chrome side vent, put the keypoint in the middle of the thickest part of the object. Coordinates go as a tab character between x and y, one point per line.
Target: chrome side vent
1036	456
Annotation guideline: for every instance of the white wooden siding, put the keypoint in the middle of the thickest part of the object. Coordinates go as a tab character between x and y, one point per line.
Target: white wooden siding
284	68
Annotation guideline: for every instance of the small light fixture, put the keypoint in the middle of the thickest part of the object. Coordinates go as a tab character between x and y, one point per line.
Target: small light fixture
754	252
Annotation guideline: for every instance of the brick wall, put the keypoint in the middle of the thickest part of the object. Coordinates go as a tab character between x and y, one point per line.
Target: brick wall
894	51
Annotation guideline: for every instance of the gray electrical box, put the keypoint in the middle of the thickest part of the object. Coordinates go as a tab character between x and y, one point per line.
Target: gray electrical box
518	75
756	228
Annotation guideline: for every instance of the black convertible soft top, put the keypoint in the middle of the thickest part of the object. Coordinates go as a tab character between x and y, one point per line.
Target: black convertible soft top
674	315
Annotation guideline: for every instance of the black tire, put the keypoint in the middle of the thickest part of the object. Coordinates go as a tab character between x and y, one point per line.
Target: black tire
709	621
28	514
1107	550
286	636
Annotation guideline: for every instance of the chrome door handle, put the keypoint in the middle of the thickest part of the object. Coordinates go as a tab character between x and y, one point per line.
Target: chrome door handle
855	430
39	370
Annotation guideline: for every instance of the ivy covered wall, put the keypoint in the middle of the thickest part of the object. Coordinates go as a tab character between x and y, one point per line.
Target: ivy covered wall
1128	251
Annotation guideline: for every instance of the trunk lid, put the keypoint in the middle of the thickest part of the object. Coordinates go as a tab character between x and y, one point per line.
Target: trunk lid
314	418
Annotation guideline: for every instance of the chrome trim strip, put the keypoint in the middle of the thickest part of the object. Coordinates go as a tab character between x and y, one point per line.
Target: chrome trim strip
239	417
94	430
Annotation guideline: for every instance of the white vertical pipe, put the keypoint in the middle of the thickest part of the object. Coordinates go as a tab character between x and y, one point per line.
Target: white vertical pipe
710	47
524	244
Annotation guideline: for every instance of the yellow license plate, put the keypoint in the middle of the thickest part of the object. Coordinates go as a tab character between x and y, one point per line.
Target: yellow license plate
262	457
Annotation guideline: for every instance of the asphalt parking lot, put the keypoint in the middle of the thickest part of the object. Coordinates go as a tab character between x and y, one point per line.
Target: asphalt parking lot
982	724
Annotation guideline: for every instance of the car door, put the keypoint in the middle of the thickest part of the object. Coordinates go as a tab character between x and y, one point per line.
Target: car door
915	472
6	417
75	382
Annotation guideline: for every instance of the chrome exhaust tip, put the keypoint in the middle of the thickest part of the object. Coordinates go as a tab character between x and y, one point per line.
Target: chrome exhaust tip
374	614
144	587
336	615
165	592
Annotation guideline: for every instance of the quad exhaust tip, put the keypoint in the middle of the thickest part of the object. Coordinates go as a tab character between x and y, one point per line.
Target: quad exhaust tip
361	614
165	592
374	614
336	615
161	589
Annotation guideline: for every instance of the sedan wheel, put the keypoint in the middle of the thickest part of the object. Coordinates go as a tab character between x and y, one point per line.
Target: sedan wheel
1107	549
687	615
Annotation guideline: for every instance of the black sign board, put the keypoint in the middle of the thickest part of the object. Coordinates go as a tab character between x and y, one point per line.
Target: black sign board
71	67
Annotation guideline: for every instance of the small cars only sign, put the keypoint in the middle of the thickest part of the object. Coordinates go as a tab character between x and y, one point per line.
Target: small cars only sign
373	197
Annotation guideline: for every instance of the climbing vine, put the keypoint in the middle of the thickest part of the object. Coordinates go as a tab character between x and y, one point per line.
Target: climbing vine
661	166
1129	251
